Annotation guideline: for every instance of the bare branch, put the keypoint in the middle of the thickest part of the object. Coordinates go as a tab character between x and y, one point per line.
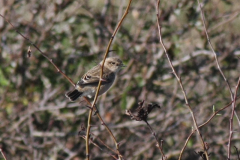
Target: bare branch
3	154
233	97
35	46
142	115
216	59
179	80
231	120
99	84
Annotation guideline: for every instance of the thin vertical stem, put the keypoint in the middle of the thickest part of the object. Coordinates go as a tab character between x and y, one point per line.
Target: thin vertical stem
231	120
100	82
155	137
233	96
179	81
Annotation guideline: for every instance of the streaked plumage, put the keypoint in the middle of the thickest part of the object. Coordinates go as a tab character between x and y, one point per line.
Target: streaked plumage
87	86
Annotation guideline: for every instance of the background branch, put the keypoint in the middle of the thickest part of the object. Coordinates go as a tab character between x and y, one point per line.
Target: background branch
179	81
216	59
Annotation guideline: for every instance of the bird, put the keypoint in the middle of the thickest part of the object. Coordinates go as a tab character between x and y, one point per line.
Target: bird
87	85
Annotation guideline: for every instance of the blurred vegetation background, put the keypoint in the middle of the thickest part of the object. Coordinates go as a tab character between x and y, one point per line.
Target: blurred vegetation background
38	122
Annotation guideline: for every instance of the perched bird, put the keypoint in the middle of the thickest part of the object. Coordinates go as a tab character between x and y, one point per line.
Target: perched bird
88	84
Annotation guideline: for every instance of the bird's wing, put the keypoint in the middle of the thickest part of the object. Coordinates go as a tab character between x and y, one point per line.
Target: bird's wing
91	78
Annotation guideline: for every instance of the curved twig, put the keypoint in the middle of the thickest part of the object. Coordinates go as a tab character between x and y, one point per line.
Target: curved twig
44	55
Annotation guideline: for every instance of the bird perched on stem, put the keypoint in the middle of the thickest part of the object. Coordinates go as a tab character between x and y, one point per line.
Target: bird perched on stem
88	84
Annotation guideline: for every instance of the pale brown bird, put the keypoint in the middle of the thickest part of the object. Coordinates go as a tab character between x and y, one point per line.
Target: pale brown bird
87	86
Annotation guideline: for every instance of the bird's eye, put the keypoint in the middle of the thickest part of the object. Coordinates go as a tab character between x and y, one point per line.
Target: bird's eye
87	77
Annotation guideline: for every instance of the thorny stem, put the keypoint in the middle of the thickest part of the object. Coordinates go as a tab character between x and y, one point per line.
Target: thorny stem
179	81
99	84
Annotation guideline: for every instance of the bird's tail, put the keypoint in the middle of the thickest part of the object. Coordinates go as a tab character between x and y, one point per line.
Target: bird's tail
73	95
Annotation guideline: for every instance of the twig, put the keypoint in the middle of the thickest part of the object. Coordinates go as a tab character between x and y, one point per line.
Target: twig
99	84
231	17
179	81
237	152
214	114
142	115
84	137
231	120
4	157
185	144
216	59
158	145
104	144
233	97
35	46
103	123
